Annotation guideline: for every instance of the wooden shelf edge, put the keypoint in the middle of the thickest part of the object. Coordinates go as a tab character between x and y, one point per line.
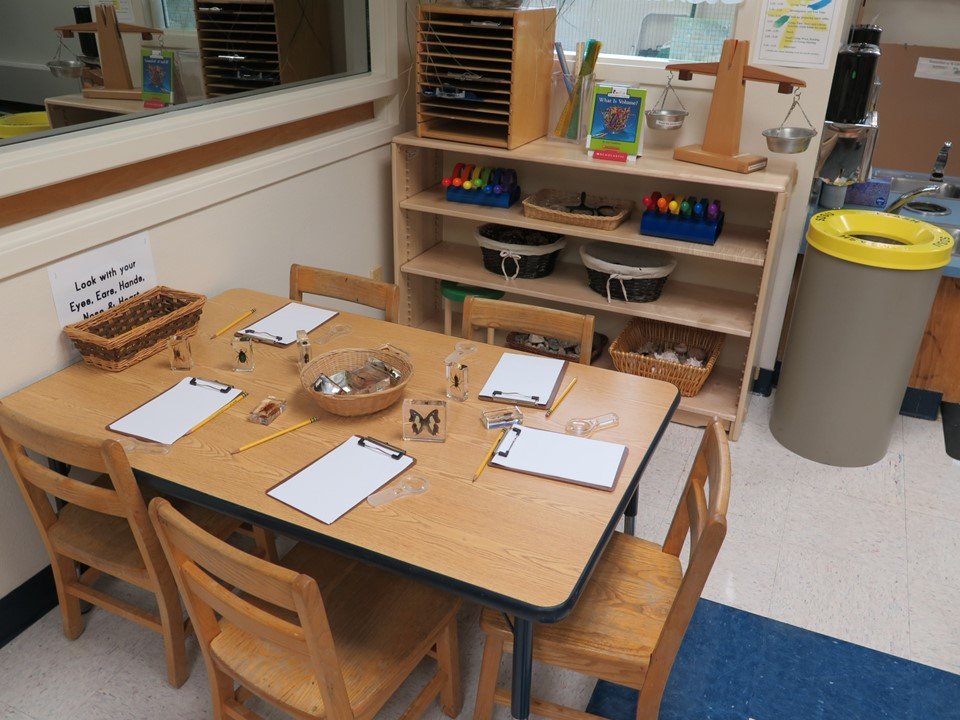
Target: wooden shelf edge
688	304
734	245
780	176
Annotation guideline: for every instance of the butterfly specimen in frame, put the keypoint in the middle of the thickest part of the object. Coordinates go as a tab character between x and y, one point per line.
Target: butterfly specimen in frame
430	422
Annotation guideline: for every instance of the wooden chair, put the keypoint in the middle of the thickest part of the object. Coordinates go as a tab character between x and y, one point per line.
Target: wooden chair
353	288
319	636
103	525
631	618
503	315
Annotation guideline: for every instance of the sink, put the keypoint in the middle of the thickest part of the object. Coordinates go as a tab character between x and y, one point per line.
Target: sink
900	185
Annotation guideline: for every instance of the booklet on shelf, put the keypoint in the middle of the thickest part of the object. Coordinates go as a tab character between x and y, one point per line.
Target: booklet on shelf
616	122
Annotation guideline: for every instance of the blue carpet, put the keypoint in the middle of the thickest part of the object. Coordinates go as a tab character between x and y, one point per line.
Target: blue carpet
735	665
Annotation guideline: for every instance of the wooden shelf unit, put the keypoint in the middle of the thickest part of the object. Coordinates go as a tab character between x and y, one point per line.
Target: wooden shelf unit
253	44
422	257
502	58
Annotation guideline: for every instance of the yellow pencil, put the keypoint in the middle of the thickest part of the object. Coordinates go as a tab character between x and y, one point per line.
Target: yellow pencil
275	435
560	397
489	454
230	324
226	407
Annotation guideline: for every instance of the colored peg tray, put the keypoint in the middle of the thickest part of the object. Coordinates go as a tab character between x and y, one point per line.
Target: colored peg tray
479	197
678	227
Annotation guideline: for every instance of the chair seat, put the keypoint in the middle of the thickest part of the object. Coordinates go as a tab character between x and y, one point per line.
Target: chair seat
616	621
378	621
101	541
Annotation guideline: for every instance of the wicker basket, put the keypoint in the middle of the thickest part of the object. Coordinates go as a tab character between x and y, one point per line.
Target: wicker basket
519	259
543	206
687	378
136	328
516	340
622	272
350	359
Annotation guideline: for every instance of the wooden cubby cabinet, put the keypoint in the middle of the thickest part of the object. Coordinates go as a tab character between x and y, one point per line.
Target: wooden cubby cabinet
722	287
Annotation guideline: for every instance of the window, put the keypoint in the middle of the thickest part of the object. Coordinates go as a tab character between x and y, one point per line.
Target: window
662	29
174	13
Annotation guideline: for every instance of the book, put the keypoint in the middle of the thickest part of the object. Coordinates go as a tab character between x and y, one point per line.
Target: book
157	75
616	122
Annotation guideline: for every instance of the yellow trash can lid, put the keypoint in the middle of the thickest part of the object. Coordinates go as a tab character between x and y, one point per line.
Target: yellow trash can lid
880	239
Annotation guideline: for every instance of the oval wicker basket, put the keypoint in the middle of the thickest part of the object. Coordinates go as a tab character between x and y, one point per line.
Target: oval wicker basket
350	359
687	378
519	259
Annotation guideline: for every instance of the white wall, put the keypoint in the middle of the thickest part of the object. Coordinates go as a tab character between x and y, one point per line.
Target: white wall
918	22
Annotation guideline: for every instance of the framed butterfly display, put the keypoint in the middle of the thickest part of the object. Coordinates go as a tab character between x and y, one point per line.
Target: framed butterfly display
425	420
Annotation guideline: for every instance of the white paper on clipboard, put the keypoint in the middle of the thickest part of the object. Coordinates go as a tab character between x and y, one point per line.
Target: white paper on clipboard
172	414
341	479
280	327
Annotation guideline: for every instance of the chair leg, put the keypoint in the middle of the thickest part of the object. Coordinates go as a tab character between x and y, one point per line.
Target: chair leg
448	658
651	693
65	575
447	317
174	637
489	670
266	543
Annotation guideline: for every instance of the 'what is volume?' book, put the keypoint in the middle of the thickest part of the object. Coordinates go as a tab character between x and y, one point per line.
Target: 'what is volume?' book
616	123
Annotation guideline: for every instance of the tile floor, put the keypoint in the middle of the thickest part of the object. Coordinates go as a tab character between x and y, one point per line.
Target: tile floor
867	555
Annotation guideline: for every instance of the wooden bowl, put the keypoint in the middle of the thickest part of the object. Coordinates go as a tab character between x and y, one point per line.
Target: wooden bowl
350	359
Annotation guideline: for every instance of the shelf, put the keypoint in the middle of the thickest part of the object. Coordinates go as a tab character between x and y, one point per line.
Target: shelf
737	243
697	306
779	176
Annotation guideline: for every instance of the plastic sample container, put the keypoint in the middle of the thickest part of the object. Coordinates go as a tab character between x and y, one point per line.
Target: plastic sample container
867	286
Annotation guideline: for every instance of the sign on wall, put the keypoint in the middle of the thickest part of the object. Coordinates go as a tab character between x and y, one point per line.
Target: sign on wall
89	283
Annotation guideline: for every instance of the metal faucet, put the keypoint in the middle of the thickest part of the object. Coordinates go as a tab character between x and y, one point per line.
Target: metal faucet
896	206
941	162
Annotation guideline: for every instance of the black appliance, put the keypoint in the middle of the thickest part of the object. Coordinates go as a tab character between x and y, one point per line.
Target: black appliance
88	41
853	83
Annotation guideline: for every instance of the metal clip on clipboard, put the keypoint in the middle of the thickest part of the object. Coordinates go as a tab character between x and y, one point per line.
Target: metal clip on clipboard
211	384
380	446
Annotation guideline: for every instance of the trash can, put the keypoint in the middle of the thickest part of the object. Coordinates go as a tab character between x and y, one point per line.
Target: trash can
865	292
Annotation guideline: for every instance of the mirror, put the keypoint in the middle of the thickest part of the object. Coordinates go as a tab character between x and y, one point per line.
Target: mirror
202	52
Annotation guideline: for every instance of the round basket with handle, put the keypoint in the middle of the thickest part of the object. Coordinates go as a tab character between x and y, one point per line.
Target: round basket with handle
621	272
352	405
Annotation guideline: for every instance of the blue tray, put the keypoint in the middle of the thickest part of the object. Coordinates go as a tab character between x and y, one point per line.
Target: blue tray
479	197
677	227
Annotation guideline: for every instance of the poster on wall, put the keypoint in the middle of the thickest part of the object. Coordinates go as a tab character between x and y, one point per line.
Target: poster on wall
796	33
89	283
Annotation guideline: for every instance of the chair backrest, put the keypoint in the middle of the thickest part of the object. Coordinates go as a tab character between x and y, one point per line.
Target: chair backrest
343	286
701	513
503	315
204	567
19	434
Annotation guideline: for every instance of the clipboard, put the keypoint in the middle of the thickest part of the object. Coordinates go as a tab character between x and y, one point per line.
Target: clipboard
525	380
178	410
582	461
280	327
341	479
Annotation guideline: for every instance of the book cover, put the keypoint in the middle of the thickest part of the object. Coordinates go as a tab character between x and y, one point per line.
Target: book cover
616	122
157	75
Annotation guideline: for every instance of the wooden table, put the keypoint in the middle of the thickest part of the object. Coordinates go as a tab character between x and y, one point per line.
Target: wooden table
519	543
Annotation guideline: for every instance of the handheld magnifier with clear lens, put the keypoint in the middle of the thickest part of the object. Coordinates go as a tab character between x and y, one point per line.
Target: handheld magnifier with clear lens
587	426
335	331
413	485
